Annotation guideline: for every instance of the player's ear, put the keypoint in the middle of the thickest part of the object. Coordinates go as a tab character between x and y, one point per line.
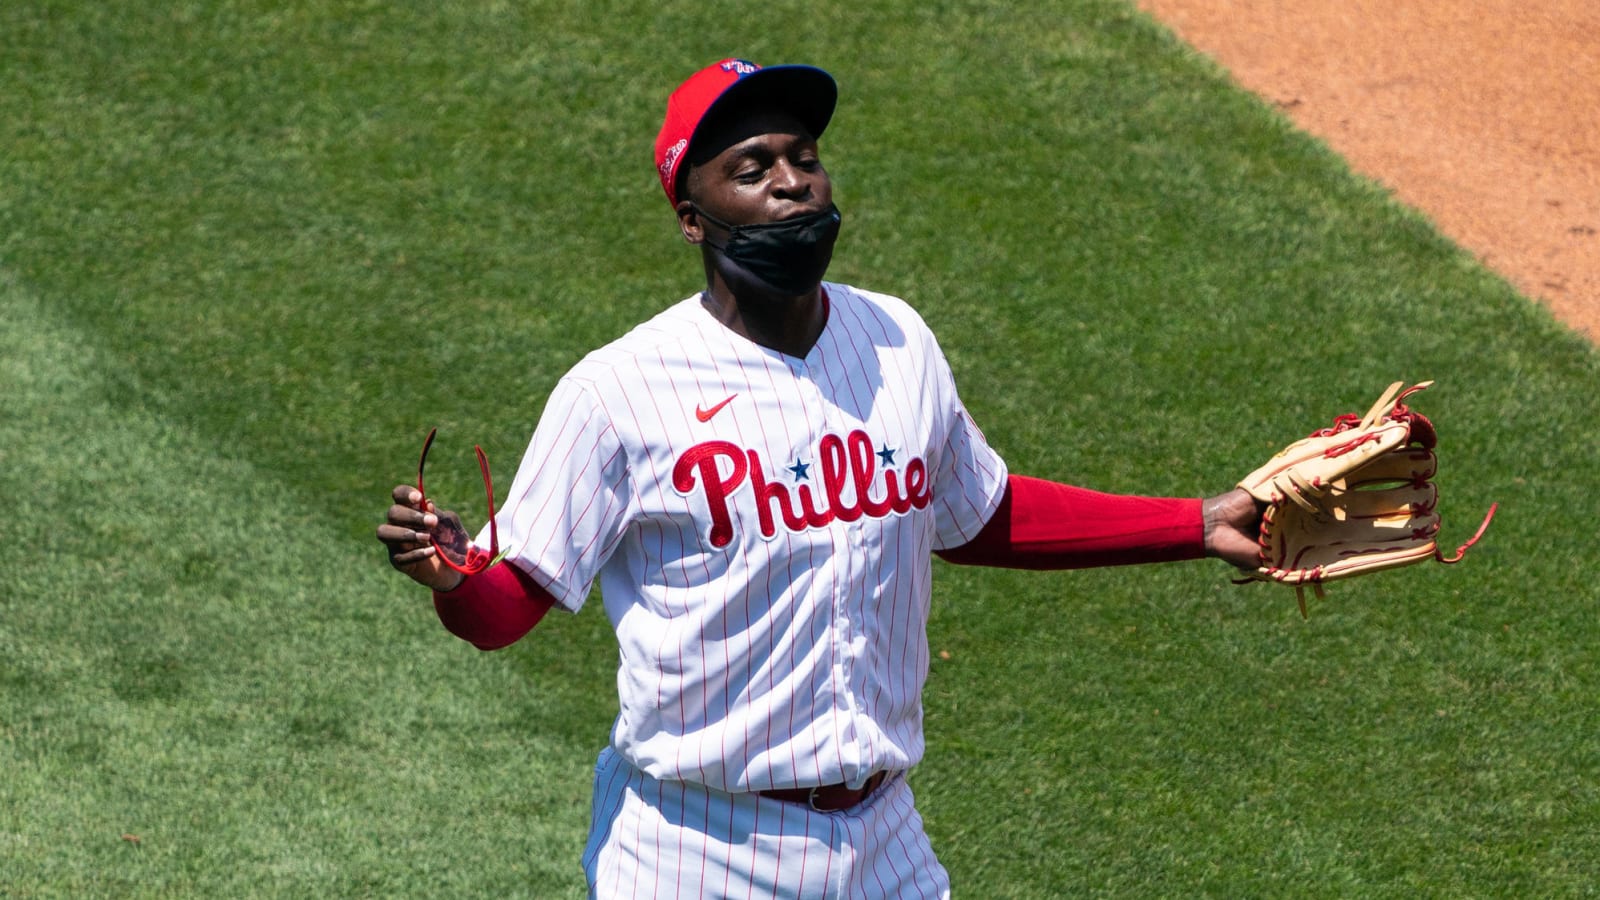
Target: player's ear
689	222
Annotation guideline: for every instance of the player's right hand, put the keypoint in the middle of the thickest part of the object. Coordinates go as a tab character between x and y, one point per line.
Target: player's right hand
408	534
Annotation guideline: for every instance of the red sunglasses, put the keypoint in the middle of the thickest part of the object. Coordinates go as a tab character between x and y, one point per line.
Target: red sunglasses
463	555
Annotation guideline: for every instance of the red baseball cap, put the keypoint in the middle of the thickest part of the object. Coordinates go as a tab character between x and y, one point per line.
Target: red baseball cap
805	91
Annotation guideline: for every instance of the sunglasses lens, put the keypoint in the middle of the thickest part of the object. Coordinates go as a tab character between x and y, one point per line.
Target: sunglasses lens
452	542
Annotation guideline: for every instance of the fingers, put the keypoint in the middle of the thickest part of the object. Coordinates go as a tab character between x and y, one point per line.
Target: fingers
399	536
408	495
411	517
412	557
407	530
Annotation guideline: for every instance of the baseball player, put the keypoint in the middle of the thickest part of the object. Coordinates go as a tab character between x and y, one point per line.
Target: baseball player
758	478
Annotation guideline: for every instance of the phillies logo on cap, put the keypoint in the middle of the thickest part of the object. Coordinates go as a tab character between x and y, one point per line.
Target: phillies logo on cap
738	66
669	164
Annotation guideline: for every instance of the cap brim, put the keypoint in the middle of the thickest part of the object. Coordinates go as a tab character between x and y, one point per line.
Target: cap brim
806	92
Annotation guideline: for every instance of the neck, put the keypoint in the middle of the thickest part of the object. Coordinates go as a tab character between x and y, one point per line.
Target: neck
789	325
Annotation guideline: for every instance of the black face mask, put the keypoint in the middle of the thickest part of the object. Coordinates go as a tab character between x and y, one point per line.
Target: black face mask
789	256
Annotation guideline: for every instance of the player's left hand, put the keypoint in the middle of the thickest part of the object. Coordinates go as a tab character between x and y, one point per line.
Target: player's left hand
1232	527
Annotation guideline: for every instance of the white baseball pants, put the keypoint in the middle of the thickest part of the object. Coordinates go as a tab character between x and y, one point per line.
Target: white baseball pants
662	839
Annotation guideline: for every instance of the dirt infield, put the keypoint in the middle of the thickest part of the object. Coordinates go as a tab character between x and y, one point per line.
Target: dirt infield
1484	114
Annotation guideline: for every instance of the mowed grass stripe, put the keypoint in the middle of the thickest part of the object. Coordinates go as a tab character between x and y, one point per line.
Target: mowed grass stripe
205	694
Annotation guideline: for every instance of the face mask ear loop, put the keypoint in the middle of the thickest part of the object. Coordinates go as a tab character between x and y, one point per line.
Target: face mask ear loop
699	211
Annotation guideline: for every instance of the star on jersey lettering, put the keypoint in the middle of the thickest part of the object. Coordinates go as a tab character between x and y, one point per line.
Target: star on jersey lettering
801	470
886	455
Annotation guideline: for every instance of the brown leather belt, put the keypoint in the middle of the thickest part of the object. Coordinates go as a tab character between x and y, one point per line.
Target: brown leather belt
829	797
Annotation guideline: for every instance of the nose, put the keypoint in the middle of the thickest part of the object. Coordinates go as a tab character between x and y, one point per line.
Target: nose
789	182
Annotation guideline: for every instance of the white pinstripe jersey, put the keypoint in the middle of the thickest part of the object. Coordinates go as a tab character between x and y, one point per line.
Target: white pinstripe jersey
761	527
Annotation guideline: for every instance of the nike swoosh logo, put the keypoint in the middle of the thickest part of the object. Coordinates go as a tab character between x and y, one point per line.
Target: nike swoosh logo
705	415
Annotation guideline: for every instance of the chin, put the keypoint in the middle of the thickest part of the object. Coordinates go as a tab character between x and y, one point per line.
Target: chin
760	294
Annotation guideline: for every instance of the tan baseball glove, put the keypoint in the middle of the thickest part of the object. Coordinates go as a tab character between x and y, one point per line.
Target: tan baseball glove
1353	498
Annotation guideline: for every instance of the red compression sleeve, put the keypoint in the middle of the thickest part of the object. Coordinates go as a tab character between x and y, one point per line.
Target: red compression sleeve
1044	525
493	608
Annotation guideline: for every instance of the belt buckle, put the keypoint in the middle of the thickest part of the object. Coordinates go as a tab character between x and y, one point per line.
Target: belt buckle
811	800
873	782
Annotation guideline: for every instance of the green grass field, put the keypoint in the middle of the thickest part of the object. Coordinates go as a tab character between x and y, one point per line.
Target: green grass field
250	252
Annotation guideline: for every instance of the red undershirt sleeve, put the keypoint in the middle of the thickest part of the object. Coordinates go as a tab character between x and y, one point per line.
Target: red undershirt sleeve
493	608
1045	525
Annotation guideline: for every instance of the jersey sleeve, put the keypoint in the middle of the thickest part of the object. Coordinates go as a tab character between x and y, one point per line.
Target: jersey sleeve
970	478
571	499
